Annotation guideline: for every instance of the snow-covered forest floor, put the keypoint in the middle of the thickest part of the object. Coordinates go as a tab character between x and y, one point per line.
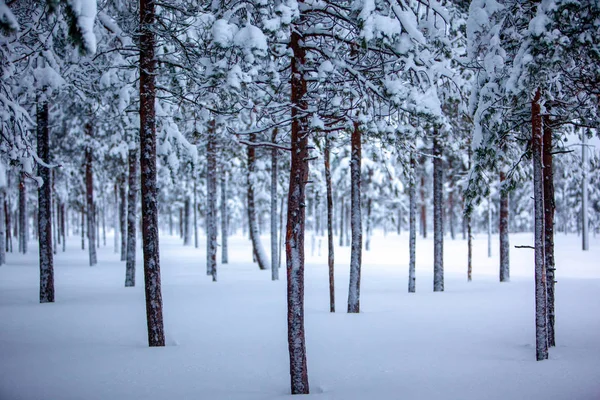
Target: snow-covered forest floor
227	340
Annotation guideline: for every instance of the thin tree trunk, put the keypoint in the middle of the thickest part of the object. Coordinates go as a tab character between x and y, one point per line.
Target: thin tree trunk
82	227
549	207
369	222
355	220
342	212
282	229
195	222
541	331
347	225
181	234
412	222
451	210
116	218
123	217
224	216
257	247
154	315
53	214
294	243
89	196
274	227
45	206
489	225
503	231
211	206
438	216
22	215
468	222
131	217
103	221
63	226
170	221
585	237
7	214
423	203
3	227
187	235
330	250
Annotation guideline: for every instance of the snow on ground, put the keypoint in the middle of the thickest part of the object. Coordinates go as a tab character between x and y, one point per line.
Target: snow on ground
227	340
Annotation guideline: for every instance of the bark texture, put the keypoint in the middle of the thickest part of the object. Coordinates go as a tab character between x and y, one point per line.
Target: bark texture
89	198
131	218
154	316
438	216
274	228
330	250
211	206
257	248
296	217
22	215
549	207
355	221
45	207
412	222
541	329
224	216
503	230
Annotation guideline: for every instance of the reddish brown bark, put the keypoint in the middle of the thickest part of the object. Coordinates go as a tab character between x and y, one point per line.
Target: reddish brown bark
549	208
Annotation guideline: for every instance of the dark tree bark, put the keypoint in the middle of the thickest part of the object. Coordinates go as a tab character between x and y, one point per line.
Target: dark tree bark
116	217
274	227
369	222
469	235
585	237
63	226
211	206
3	235
451	210
355	221
154	315
123	217
224	216
347	225
330	250
541	331
89	197
187	235
181	222
22	215
195	221
257	248
412	222
7	214
423	201
294	243
83	227
170	221
549	207
131	218
438	215
45	206
503	230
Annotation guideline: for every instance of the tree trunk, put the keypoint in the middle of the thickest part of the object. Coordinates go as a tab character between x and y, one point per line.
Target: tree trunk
3	235
342	225
89	196
451	210
181	235
123	217
7	215
131	218
489	225
412	222
585	237
274	227
369	222
63	227
503	231
549	207
468	222
257	248
541	331
45	206
294	243
195	205
170	221
224	216
423	202
438	215
355	221
347	225
22	215
82	227
211	206
154	315
330	251
116	218
187	234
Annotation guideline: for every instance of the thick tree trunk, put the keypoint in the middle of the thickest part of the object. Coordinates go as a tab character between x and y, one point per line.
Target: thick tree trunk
503	231
123	217
89	197
211	206
257	247
274	227
45	206
224	216
541	331
412	222
294	242
438	215
549	207
154	315
585	237
131	218
330	250
355	221
22	215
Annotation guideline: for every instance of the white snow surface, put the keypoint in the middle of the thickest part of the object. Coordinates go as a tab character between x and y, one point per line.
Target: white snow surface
227	340
85	11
